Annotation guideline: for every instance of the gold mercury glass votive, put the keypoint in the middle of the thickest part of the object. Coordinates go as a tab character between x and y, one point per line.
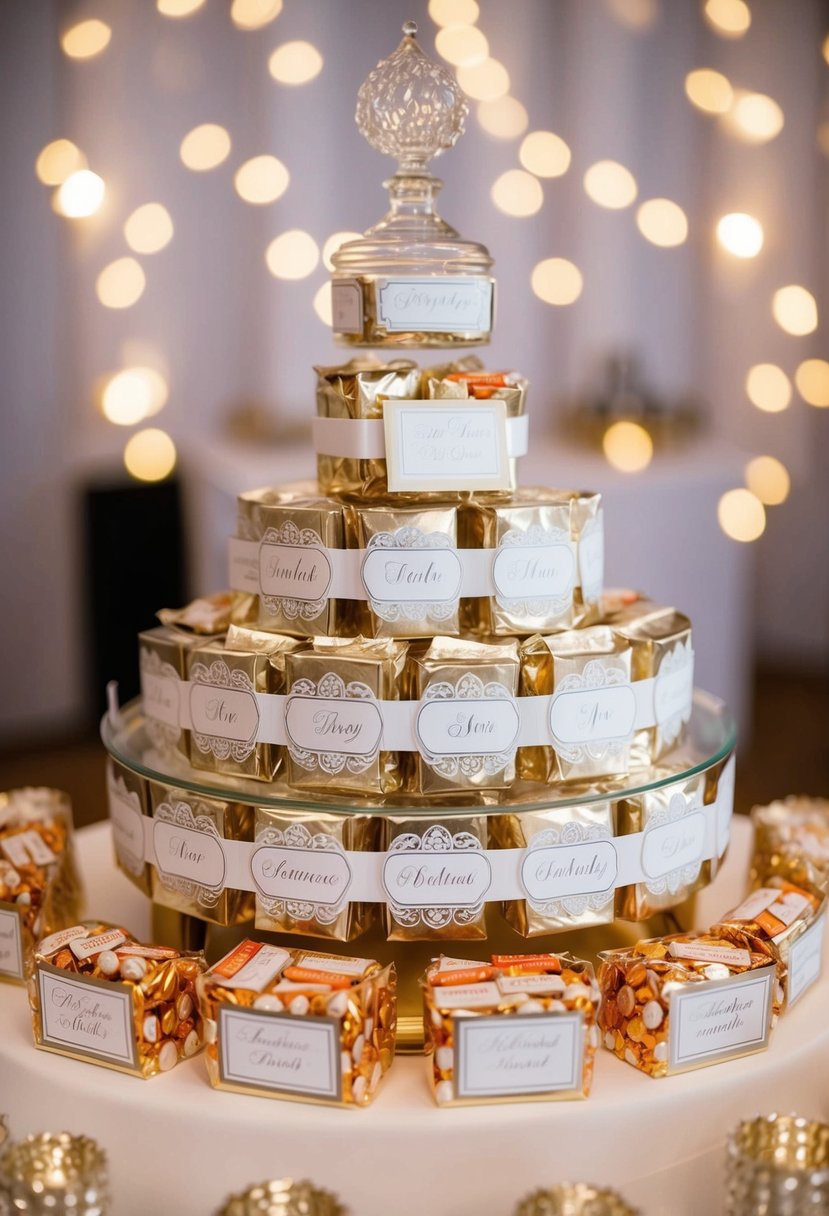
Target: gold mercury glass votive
283	1198
55	1174
574	1199
778	1165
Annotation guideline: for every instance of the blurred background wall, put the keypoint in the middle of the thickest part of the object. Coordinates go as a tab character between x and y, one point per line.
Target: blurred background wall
717	107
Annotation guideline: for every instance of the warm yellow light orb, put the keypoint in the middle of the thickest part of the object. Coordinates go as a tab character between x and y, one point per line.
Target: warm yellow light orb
662	222
730	18
178	8
86	39
150	455
768	479
505	118
453	12
205	147
134	394
253	14
795	310
462	45
517	193
333	244
292	255
262	179
485	81
149	228
545	154
557	281
768	387
812	380
322	304
709	91
295	63
628	447
80	195
120	283
57	160
741	515
740	234
755	118
610	184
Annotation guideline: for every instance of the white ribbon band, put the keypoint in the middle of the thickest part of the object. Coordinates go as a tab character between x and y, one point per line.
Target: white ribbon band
365	439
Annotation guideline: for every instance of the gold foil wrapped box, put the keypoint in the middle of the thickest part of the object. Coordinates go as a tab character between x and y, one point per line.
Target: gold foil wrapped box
467	722
547	561
190	873
333	721
100	996
303	875
128	802
662	652
522	1028
298	1024
162	656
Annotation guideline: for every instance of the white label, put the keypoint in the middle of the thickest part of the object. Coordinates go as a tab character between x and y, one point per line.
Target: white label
485	727
224	713
805	960
27	848
243	567
56	941
297	572
673	693
501	1057
593	715
317	876
712	1021
346	306
674	845
88	947
458	445
264	966
564	870
283	1053
541	985
591	559
458	964
339	965
91	1017
11	949
160	697
432	305
415	879
467	996
343	725
154	952
127	825
696	953
187	853
533	572
431	576
754	904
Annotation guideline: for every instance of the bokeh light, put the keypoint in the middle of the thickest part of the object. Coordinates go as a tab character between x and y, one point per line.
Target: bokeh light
768	479
730	18
709	91
178	8
505	118
485	81
134	394
740	234
262	179
81	194
322	304
628	447
462	45
292	255
825	48
205	147
453	12
822	137
754	117
120	283
57	160
795	310
741	515
610	184
86	39
545	154
812	380
662	222
557	281
253	14
149	228
768	387
517	193
333	243
150	455
639	15
295	63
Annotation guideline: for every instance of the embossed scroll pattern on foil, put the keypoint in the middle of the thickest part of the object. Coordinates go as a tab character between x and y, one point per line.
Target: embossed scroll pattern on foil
292	607
497	701
447	562
182	816
410	855
329	710
554	603
298	840
221	677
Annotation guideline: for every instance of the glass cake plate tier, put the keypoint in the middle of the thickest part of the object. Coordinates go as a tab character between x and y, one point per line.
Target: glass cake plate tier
710	740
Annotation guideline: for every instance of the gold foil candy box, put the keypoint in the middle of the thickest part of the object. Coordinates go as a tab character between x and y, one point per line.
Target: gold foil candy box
547	561
333	722
190	869
299	1024
467	722
662	651
685	1001
162	659
521	1028
303	876
128	800
100	996
224	682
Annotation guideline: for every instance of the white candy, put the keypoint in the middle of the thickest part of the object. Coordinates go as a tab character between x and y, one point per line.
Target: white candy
209	1030
576	990
134	968
192	1043
338	1004
779	993
652	1015
357	1049
108	962
444	1058
660	1052
631	1057
24	899
151	1028
531	1007
184	1006
268	1002
368	1026
345	1063
593	1036
672	986
358	1088
376	1074
610	1040
556	1006
443	1092
299	1005
716	971
437	1020
168	1055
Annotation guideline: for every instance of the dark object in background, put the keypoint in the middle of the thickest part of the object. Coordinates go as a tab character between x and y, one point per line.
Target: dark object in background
135	564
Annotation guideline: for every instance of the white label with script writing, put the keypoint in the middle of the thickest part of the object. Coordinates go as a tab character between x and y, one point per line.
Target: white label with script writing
437	879
719	1019
446	445
500	1057
11	950
127	824
290	875
467	727
224	713
534	572
300	572
673	845
434	305
341	725
159	693
87	1016
580	717
190	854
346	306
280	1052
567	870
805	960
413	575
